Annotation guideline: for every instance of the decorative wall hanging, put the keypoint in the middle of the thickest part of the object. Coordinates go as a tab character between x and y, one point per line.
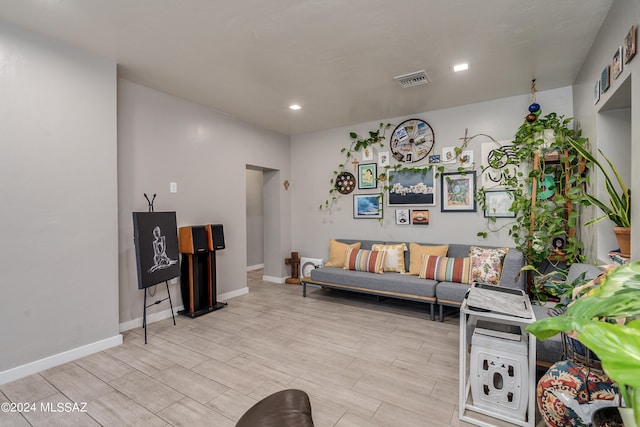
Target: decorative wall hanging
458	190
367	206
419	217
414	187
345	183
616	64
402	217
367	176
497	204
411	141
604	79
630	45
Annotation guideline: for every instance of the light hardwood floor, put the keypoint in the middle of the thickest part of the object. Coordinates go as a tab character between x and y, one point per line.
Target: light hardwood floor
362	362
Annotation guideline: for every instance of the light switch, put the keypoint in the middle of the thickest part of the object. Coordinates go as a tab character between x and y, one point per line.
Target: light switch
173	187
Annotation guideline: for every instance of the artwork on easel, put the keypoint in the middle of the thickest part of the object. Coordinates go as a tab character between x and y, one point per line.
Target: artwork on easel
156	242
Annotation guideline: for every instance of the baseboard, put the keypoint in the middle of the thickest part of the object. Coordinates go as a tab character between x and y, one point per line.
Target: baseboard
58	359
231	295
255	267
273	279
165	314
151	317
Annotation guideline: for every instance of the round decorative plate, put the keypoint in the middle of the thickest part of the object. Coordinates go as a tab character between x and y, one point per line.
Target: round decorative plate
411	141
345	183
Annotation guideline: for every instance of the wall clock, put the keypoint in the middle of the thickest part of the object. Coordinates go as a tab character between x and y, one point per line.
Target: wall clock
411	141
345	183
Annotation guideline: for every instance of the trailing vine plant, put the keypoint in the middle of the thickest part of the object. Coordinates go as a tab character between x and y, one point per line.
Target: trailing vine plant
376	137
559	174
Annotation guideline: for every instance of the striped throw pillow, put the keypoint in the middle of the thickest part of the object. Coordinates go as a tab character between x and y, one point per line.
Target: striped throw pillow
445	269
364	260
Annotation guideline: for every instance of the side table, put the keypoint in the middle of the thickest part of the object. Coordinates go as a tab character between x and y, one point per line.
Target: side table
497	305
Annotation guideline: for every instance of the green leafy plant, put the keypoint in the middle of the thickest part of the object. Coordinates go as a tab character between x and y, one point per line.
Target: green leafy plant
595	318
618	209
376	137
537	222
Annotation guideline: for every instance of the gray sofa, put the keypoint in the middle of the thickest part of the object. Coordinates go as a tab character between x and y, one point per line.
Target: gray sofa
404	286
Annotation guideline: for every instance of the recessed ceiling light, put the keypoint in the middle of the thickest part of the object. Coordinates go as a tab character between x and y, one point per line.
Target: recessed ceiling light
295	107
460	67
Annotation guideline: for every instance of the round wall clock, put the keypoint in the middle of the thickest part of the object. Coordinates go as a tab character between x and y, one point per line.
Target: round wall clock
345	183
411	141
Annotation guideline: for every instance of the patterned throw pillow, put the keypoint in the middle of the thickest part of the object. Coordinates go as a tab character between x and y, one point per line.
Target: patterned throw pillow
445	269
338	251
416	251
365	260
394	258
486	264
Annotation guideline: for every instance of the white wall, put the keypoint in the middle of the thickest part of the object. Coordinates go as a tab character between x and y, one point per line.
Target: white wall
163	139
59	203
255	218
315	156
622	15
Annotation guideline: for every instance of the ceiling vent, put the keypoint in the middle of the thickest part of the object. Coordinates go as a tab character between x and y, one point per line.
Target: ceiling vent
413	79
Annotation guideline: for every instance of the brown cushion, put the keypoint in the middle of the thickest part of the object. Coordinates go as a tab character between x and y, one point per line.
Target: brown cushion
282	409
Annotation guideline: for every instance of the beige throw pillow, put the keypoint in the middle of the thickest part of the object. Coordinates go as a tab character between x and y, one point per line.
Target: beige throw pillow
394	260
415	255
338	253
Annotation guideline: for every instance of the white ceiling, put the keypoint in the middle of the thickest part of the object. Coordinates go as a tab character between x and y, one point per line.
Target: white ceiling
336	58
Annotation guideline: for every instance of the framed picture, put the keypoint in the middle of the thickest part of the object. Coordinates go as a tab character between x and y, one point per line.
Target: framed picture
367	206
596	92
383	159
497	204
367	176
604	79
434	159
412	188
367	154
630	45
419	217
616	64
402	217
449	155
466	159
457	191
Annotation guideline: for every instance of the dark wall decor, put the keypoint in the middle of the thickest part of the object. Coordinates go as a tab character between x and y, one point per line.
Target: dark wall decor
156	243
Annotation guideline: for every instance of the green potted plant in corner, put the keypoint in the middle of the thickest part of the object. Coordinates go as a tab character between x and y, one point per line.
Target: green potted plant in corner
618	209
596	320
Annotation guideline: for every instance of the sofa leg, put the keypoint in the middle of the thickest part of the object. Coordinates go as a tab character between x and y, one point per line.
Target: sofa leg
433	312
304	289
441	313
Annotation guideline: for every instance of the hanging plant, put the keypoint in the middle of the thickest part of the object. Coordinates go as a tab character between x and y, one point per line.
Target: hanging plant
376	137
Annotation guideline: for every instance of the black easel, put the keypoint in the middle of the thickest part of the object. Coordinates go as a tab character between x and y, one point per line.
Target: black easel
144	315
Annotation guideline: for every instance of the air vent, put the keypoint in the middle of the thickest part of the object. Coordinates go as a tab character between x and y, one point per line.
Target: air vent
413	79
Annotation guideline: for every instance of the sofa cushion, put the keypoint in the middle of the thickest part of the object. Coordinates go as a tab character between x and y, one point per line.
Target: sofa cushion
486	264
364	260
415	255
394	258
392	282
445	269
338	252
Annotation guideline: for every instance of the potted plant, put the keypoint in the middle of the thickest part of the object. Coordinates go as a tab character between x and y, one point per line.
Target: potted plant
618	208
607	321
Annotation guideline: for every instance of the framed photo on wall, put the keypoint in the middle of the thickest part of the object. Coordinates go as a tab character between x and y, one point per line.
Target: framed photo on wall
416	188
367	176
367	206
419	217
497	204
457	192
402	217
